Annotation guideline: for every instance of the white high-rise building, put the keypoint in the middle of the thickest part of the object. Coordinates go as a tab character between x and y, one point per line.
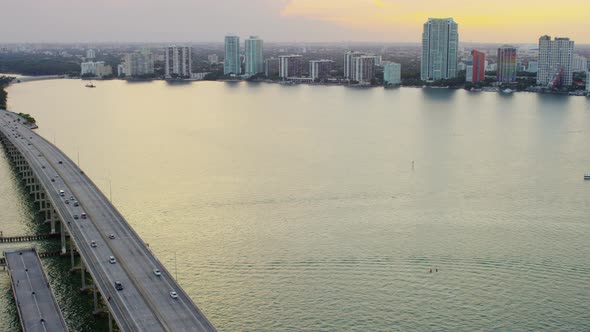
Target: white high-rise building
121	69
364	69
88	68
349	63
90	54
392	73
290	66
139	64
95	68
319	69
469	73
440	45
231	62
254	55
580	63
555	61
588	78
178	62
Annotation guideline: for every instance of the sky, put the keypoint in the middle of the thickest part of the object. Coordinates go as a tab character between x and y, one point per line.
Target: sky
498	21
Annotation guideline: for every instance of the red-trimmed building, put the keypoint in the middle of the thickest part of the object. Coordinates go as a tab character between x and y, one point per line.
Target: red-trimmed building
479	66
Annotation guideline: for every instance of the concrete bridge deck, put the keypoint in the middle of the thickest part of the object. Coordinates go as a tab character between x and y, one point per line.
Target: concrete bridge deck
144	303
36	304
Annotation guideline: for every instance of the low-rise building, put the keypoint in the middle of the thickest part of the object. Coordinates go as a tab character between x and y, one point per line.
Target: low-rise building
213	58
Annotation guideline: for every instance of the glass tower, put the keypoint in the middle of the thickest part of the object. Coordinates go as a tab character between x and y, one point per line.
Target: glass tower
440	45
254	56
231	62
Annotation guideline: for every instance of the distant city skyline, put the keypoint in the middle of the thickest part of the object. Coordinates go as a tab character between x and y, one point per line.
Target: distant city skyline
288	20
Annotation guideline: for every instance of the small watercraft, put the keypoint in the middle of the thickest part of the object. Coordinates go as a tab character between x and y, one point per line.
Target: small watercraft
587	177
90	85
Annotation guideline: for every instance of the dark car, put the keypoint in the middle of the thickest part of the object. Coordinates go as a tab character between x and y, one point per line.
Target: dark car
83	216
60	162
118	285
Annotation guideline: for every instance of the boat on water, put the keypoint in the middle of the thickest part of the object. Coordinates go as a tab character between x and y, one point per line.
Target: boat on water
90	85
507	90
587	177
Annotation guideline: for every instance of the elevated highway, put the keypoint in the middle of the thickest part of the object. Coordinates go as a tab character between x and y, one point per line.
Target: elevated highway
35	302
98	232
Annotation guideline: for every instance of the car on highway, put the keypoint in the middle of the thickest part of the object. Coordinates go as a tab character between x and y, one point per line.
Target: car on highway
76	203
60	162
118	285
84	216
67	201
112	260
157	272
43	166
93	244
173	295
62	193
76	217
72	198
111	236
52	180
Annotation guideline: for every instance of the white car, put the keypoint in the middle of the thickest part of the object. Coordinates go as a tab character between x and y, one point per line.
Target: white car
93	244
111	236
157	272
112	260
173	295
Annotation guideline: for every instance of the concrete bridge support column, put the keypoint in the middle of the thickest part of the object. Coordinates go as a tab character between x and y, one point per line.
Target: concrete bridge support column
72	253
63	236
110	322
94	291
50	216
83	275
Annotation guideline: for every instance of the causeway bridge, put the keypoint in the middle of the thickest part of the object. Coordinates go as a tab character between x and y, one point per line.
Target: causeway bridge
35	302
148	298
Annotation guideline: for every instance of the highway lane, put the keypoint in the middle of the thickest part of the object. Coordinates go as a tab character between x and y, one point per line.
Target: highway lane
37	307
139	259
129	309
131	252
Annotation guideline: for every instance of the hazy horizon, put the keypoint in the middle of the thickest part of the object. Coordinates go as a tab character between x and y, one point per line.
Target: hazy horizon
282	21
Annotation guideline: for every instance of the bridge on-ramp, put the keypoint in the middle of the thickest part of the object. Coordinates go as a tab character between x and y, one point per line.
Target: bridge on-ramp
139	292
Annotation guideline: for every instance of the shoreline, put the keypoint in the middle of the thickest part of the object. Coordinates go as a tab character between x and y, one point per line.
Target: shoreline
24	79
